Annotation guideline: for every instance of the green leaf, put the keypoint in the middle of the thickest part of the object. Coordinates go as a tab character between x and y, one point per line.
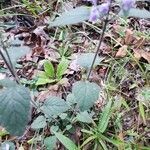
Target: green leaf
63	116
104	117
49	69
89	139
16	52
103	144
86	94
54	128
111	140
7	83
138	13
87	131
3	132
15	109
142	112
84	117
7	26
7	146
66	141
54	106
50	142
72	16
42	74
144	96
70	99
61	68
42	81
39	122
85	59
124	103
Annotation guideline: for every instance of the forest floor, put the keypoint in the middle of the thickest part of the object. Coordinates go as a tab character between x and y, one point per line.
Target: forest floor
122	71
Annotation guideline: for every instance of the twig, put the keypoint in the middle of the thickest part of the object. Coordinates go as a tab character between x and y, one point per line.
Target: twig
100	41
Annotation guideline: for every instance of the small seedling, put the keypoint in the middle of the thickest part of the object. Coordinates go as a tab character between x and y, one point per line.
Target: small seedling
50	75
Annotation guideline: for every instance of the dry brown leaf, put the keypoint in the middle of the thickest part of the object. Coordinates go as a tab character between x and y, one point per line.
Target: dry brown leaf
122	52
138	53
121	136
128	37
53	90
118	42
74	63
137	56
139	43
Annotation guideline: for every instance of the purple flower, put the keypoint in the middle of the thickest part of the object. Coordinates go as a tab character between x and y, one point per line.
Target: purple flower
126	5
103	9
98	12
94	15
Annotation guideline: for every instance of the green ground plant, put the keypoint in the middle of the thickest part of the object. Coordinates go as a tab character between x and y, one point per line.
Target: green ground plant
49	75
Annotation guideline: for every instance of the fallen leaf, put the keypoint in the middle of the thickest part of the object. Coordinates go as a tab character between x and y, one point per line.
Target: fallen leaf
122	52
139	43
52	90
128	37
121	136
137	56
138	53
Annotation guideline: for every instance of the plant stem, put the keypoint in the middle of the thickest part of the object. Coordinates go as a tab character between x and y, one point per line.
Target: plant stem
100	41
5	49
9	66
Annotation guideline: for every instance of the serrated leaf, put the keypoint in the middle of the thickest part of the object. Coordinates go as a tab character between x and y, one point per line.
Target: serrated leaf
138	13
73	16
49	69
15	109
84	117
66	141
104	117
50	142
86	94
39	122
61	68
42	81
54	106
85	60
